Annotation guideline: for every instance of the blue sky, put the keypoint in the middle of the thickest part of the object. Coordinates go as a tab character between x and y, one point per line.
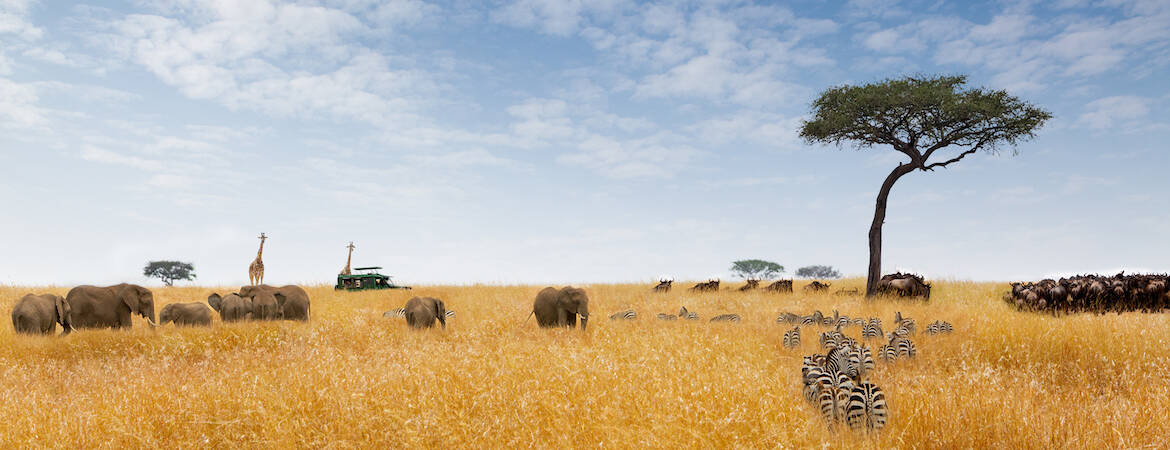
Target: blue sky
561	141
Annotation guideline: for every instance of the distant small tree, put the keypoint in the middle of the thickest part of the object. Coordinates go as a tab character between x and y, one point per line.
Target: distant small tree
756	269
169	271
821	272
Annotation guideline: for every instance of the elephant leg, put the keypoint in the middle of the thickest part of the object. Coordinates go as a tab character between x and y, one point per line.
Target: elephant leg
124	320
562	317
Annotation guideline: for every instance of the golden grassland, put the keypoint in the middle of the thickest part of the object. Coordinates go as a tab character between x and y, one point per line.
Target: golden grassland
350	378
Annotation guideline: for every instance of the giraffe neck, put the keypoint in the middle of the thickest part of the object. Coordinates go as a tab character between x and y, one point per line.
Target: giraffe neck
349	258
261	251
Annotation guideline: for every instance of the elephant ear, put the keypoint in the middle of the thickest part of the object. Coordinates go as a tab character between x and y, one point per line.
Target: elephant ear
129	297
215	301
62	308
280	299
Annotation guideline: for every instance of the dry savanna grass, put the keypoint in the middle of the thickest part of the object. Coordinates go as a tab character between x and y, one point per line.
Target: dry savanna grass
350	378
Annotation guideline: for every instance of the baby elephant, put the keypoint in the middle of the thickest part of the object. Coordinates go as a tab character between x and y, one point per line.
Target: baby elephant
265	307
40	314
185	314
230	307
421	312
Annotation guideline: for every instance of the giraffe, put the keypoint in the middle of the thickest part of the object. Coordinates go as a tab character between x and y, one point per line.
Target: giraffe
349	258
256	269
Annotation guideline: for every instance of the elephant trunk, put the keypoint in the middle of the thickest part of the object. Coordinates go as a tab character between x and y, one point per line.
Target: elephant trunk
584	321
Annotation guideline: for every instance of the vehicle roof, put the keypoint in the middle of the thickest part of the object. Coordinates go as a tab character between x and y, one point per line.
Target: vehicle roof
366	268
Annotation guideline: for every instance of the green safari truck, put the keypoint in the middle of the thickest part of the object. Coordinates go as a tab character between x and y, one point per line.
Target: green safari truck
369	278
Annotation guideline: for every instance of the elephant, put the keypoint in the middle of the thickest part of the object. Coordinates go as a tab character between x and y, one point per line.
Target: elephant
40	314
109	306
421	312
265	307
189	314
293	301
555	307
231	308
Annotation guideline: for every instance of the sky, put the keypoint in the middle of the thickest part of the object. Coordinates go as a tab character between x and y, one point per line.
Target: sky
562	141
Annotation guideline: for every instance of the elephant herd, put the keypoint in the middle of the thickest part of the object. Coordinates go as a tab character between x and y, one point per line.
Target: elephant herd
113	307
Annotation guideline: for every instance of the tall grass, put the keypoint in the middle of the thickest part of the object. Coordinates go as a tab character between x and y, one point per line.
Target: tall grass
350	378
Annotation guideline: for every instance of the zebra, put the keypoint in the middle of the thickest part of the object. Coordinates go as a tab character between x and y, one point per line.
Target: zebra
665	316
628	314
687	315
815	319
906	323
859	322
833	394
888	353
788	317
867	407
792	338
449	314
860	362
938	327
900	332
393	313
905	348
725	318
872	330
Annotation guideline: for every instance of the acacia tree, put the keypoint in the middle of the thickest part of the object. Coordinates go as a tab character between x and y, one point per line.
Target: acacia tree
918	116
822	272
169	271
756	269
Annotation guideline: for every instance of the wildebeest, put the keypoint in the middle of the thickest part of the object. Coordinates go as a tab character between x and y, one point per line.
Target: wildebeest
663	286
751	284
709	286
779	286
816	286
904	285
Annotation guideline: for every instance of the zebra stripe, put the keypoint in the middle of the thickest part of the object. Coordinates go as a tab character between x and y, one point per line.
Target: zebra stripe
867	407
664	316
724	318
938	327
872	331
684	314
860	363
628	314
792	338
449	313
400	312
833	396
788	318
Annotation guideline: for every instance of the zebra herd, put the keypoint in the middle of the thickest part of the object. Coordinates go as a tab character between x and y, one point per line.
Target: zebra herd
683	314
837	382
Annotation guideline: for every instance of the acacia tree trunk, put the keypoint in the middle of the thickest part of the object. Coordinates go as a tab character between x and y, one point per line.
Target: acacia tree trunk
875	229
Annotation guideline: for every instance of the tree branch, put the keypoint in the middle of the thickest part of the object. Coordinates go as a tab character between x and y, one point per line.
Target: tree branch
953	160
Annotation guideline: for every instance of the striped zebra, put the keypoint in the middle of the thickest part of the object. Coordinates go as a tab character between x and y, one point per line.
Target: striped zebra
872	330
897	348
788	317
449	314
900	332
866	409
628	314
860	363
815	319
859	322
906	322
394	313
687	315
939	327
665	316
792	338
725	318
833	396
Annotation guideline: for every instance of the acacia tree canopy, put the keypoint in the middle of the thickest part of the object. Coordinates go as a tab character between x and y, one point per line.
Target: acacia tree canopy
169	271
756	269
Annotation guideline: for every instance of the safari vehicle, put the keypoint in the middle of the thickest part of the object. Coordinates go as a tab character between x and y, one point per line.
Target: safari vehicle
368	279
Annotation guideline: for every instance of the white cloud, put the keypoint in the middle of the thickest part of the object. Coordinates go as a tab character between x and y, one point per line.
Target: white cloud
19	106
1119	111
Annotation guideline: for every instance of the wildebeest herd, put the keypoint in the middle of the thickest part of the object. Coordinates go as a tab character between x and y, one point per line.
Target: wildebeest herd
1093	293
